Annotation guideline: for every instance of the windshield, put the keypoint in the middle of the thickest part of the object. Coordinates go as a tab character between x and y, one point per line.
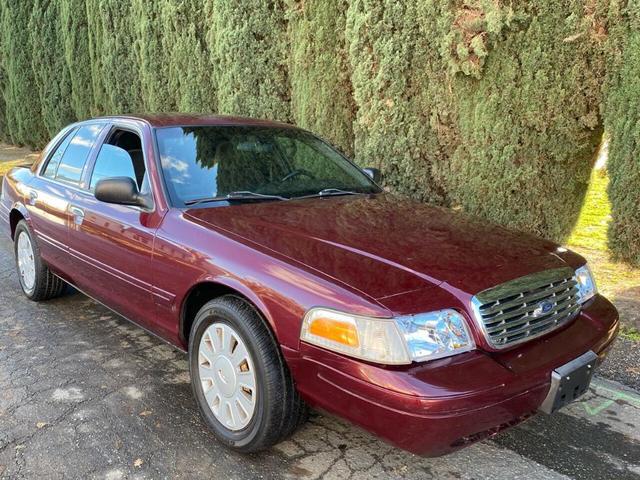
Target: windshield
215	161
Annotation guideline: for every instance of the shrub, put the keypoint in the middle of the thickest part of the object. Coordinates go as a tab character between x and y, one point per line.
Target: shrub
396	77
249	58
23	113
114	70
622	116
489	106
528	113
50	70
319	71
75	42
184	39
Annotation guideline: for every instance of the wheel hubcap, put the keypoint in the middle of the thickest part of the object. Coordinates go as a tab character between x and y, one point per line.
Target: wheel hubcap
227	376
26	262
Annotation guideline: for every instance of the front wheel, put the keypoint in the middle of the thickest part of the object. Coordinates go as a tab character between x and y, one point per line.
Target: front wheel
242	386
36	280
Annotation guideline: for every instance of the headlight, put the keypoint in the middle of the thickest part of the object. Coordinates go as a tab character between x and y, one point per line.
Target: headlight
436	334
586	284
389	341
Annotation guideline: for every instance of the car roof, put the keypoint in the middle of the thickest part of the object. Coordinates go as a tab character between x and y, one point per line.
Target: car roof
159	120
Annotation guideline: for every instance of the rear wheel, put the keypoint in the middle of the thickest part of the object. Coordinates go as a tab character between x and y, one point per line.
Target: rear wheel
240	380
36	280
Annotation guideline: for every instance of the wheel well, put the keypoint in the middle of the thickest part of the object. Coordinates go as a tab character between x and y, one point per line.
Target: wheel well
14	217
195	300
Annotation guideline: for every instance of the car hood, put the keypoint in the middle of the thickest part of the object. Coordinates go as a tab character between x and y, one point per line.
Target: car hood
383	245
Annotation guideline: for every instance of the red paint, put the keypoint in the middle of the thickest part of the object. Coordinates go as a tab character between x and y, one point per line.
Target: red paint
375	255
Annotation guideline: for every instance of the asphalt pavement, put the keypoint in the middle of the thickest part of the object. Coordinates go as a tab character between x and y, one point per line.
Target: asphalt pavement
86	394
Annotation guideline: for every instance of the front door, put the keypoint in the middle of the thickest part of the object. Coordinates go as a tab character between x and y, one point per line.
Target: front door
113	244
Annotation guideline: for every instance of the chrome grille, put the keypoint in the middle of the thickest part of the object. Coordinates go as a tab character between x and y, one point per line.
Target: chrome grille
527	307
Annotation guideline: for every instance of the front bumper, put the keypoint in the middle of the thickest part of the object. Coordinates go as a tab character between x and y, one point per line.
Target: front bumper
437	407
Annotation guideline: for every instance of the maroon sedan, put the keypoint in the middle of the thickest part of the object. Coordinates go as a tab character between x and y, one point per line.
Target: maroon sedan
292	279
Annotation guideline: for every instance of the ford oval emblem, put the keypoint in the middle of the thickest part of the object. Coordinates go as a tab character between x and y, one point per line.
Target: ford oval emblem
542	309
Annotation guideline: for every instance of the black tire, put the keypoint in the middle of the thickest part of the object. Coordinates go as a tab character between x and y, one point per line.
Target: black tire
279	408
46	285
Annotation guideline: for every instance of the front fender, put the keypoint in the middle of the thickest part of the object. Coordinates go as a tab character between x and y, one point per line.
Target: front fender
237	285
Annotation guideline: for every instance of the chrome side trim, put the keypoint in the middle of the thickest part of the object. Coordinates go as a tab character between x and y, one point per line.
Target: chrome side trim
115	273
52	242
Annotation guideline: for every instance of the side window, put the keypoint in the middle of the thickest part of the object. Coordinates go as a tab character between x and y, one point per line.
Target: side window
121	156
52	165
76	154
112	161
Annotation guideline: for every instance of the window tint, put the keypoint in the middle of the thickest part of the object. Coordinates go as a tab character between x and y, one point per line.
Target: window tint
112	161
202	162
54	160
75	156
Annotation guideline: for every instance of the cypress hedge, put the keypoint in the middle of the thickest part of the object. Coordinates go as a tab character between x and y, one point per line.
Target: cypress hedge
51	74
622	119
396	77
528	113
75	40
152	58
4	134
190	72
248	45
320	72
23	115
492	107
114	70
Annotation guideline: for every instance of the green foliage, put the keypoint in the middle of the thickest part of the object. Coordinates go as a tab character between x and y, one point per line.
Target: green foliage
622	116
23	113
248	45
75	45
529	122
152	58
400	91
489	106
319	71
50	70
114	70
4	134
189	72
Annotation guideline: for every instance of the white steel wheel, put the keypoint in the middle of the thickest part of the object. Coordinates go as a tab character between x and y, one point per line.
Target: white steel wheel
26	261
228	376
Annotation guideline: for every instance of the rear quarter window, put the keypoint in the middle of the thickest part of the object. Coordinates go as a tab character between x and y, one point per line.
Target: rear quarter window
54	161
76	154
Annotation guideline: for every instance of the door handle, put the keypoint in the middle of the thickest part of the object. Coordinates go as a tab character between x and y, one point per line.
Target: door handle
78	214
33	196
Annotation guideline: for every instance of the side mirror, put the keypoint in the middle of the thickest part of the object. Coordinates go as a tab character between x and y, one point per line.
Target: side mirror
374	173
121	191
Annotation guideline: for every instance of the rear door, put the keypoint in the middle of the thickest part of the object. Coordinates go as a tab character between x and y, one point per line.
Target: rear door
113	244
48	195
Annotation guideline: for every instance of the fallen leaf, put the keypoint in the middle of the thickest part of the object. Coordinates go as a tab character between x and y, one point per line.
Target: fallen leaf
146	413
41	424
138	463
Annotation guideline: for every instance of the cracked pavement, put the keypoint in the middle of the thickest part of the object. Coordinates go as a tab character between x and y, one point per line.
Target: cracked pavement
86	394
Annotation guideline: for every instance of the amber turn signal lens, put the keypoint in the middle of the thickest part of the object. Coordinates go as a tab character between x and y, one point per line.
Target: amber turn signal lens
335	330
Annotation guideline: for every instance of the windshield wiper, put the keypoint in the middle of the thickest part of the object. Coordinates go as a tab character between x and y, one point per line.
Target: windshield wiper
328	192
239	195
